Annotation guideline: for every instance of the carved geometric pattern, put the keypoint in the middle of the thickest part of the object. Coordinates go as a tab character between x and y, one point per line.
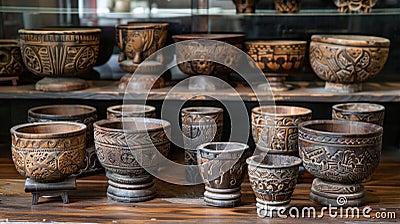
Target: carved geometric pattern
11	61
345	165
275	57
340	140
340	64
59	54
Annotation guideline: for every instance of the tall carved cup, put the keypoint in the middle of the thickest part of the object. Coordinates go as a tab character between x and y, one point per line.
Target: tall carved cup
137	41
273	179
121	145
275	128
222	168
200	125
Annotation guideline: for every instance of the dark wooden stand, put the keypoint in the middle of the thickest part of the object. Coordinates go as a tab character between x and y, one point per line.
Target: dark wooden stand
50	189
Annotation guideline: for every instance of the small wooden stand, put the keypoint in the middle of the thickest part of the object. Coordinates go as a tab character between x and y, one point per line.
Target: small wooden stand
50	189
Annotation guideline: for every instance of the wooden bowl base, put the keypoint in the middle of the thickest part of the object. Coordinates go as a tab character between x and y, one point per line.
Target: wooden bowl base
60	84
222	197
56	189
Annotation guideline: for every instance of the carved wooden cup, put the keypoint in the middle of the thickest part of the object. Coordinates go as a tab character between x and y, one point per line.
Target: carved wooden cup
275	128
366	112
200	125
75	113
222	168
245	6
131	110
277	58
58	53
137	41
273	179
363	6
48	152
127	149
340	154
287	6
11	63
346	61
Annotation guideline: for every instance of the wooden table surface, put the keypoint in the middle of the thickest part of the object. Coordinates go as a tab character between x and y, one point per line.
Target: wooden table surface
89	204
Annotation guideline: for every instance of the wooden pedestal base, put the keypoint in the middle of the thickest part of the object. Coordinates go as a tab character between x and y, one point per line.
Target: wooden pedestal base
125	188
60	84
337	194
222	197
13	79
57	189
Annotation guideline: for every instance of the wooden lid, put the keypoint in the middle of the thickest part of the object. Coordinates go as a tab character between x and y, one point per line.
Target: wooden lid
352	40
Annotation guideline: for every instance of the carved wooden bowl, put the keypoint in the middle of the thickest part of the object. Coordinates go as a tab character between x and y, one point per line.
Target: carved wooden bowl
273	179
59	53
56	52
137	41
11	63
275	128
340	154
195	49
277	58
74	113
363	6
48	152
345	61
118	141
366	112
131	110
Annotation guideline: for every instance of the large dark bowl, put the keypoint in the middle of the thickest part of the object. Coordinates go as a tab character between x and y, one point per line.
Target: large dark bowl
340	151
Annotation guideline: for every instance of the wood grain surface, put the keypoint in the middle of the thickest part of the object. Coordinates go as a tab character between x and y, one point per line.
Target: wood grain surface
174	203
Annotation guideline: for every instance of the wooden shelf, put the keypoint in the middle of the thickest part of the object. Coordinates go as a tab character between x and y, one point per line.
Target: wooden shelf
304	92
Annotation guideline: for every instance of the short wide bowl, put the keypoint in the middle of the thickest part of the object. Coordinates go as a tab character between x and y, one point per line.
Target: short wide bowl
366	112
48	152
340	151
59	52
345	61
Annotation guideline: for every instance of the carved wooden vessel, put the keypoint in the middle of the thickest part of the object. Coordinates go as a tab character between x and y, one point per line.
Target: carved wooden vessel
245	6
273	179
131	110
366	112
222	168
75	113
121	145
363	6
277	58
195	46
57	53
275	128
137	41
340	154
287	6
346	61
11	63
48	152
200	125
